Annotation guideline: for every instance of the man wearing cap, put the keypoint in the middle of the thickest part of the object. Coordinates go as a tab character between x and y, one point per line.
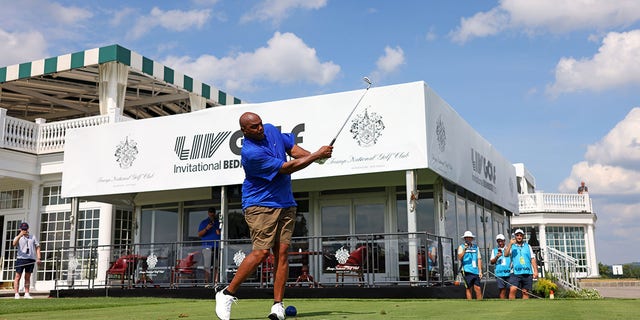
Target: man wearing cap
525	268
503	266
28	255
471	265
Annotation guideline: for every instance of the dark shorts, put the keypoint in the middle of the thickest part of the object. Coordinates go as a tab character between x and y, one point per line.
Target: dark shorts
471	279
25	265
522	281
503	282
269	226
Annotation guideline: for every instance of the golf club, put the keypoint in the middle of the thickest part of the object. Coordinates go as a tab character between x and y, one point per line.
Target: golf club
365	79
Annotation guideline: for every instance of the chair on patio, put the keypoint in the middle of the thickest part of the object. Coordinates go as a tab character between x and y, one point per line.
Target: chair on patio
185	269
352	267
120	269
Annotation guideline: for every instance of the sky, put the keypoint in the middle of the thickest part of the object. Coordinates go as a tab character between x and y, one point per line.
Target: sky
553	84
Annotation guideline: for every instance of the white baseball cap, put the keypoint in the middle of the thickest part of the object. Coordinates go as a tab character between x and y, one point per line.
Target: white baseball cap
519	231
500	237
468	234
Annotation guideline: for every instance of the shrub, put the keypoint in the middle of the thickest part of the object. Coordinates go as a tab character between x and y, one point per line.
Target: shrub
543	286
589	294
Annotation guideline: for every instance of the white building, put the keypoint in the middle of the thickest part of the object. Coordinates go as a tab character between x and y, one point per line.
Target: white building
106	148
564	223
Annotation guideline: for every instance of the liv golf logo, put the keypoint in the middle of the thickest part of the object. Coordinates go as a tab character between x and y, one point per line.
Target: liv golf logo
203	146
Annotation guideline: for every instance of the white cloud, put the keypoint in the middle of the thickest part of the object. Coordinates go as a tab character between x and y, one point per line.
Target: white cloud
554	16
611	170
285	59
67	15
392	59
21	47
278	10
174	20
120	16
616	64
482	24
612	165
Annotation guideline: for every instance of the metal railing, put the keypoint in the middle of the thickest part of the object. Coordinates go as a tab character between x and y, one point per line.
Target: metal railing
554	202
384	260
564	267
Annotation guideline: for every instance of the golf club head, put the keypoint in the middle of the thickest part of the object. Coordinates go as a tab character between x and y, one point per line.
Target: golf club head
365	79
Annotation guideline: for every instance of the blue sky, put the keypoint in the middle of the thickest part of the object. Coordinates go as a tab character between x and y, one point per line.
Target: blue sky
550	83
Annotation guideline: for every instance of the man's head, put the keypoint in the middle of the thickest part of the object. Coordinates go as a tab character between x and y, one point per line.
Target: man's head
500	240
251	126
212	213
582	183
468	236
24	226
519	234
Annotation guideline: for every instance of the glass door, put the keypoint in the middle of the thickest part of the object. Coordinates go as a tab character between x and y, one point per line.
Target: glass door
348	225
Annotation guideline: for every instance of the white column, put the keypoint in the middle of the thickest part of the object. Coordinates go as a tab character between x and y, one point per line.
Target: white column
197	102
591	252
542	234
412	225
33	219
112	88
105	235
3	117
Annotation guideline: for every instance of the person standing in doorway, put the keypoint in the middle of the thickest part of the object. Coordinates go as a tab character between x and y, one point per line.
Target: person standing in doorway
503	266
471	265
28	255
268	205
525	267
209	232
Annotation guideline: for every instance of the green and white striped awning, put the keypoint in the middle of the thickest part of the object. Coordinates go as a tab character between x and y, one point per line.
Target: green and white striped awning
93	57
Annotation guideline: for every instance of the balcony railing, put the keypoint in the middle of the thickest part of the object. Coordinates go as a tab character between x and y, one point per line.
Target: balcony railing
555	202
42	138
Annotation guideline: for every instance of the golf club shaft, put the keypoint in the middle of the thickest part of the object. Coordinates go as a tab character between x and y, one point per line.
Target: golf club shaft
352	110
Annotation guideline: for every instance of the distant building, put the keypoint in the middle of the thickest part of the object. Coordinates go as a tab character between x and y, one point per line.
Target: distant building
563	221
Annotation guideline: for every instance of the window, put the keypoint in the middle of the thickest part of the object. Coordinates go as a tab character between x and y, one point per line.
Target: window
54	236
569	240
51	196
11	199
122	229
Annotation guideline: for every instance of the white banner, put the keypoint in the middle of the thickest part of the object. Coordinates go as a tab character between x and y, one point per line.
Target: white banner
385	133
400	127
461	155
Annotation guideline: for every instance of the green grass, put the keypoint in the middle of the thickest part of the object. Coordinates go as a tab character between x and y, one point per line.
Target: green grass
189	309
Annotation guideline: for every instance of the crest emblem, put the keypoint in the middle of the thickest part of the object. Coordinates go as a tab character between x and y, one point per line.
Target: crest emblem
367	128
152	259
126	153
342	255
238	257
441	134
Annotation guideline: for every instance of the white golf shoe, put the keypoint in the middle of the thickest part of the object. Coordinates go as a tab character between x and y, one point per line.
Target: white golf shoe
277	311
223	305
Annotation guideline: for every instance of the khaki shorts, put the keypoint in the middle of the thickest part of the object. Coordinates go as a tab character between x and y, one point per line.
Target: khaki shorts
269	226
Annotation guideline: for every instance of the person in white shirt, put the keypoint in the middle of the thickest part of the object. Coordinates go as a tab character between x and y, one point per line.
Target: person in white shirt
28	254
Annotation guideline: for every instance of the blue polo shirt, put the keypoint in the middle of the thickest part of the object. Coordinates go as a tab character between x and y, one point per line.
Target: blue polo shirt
262	159
211	237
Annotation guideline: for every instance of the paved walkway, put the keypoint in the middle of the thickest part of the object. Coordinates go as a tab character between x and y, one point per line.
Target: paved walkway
612	288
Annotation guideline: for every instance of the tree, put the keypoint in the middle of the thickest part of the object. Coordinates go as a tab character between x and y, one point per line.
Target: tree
604	270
